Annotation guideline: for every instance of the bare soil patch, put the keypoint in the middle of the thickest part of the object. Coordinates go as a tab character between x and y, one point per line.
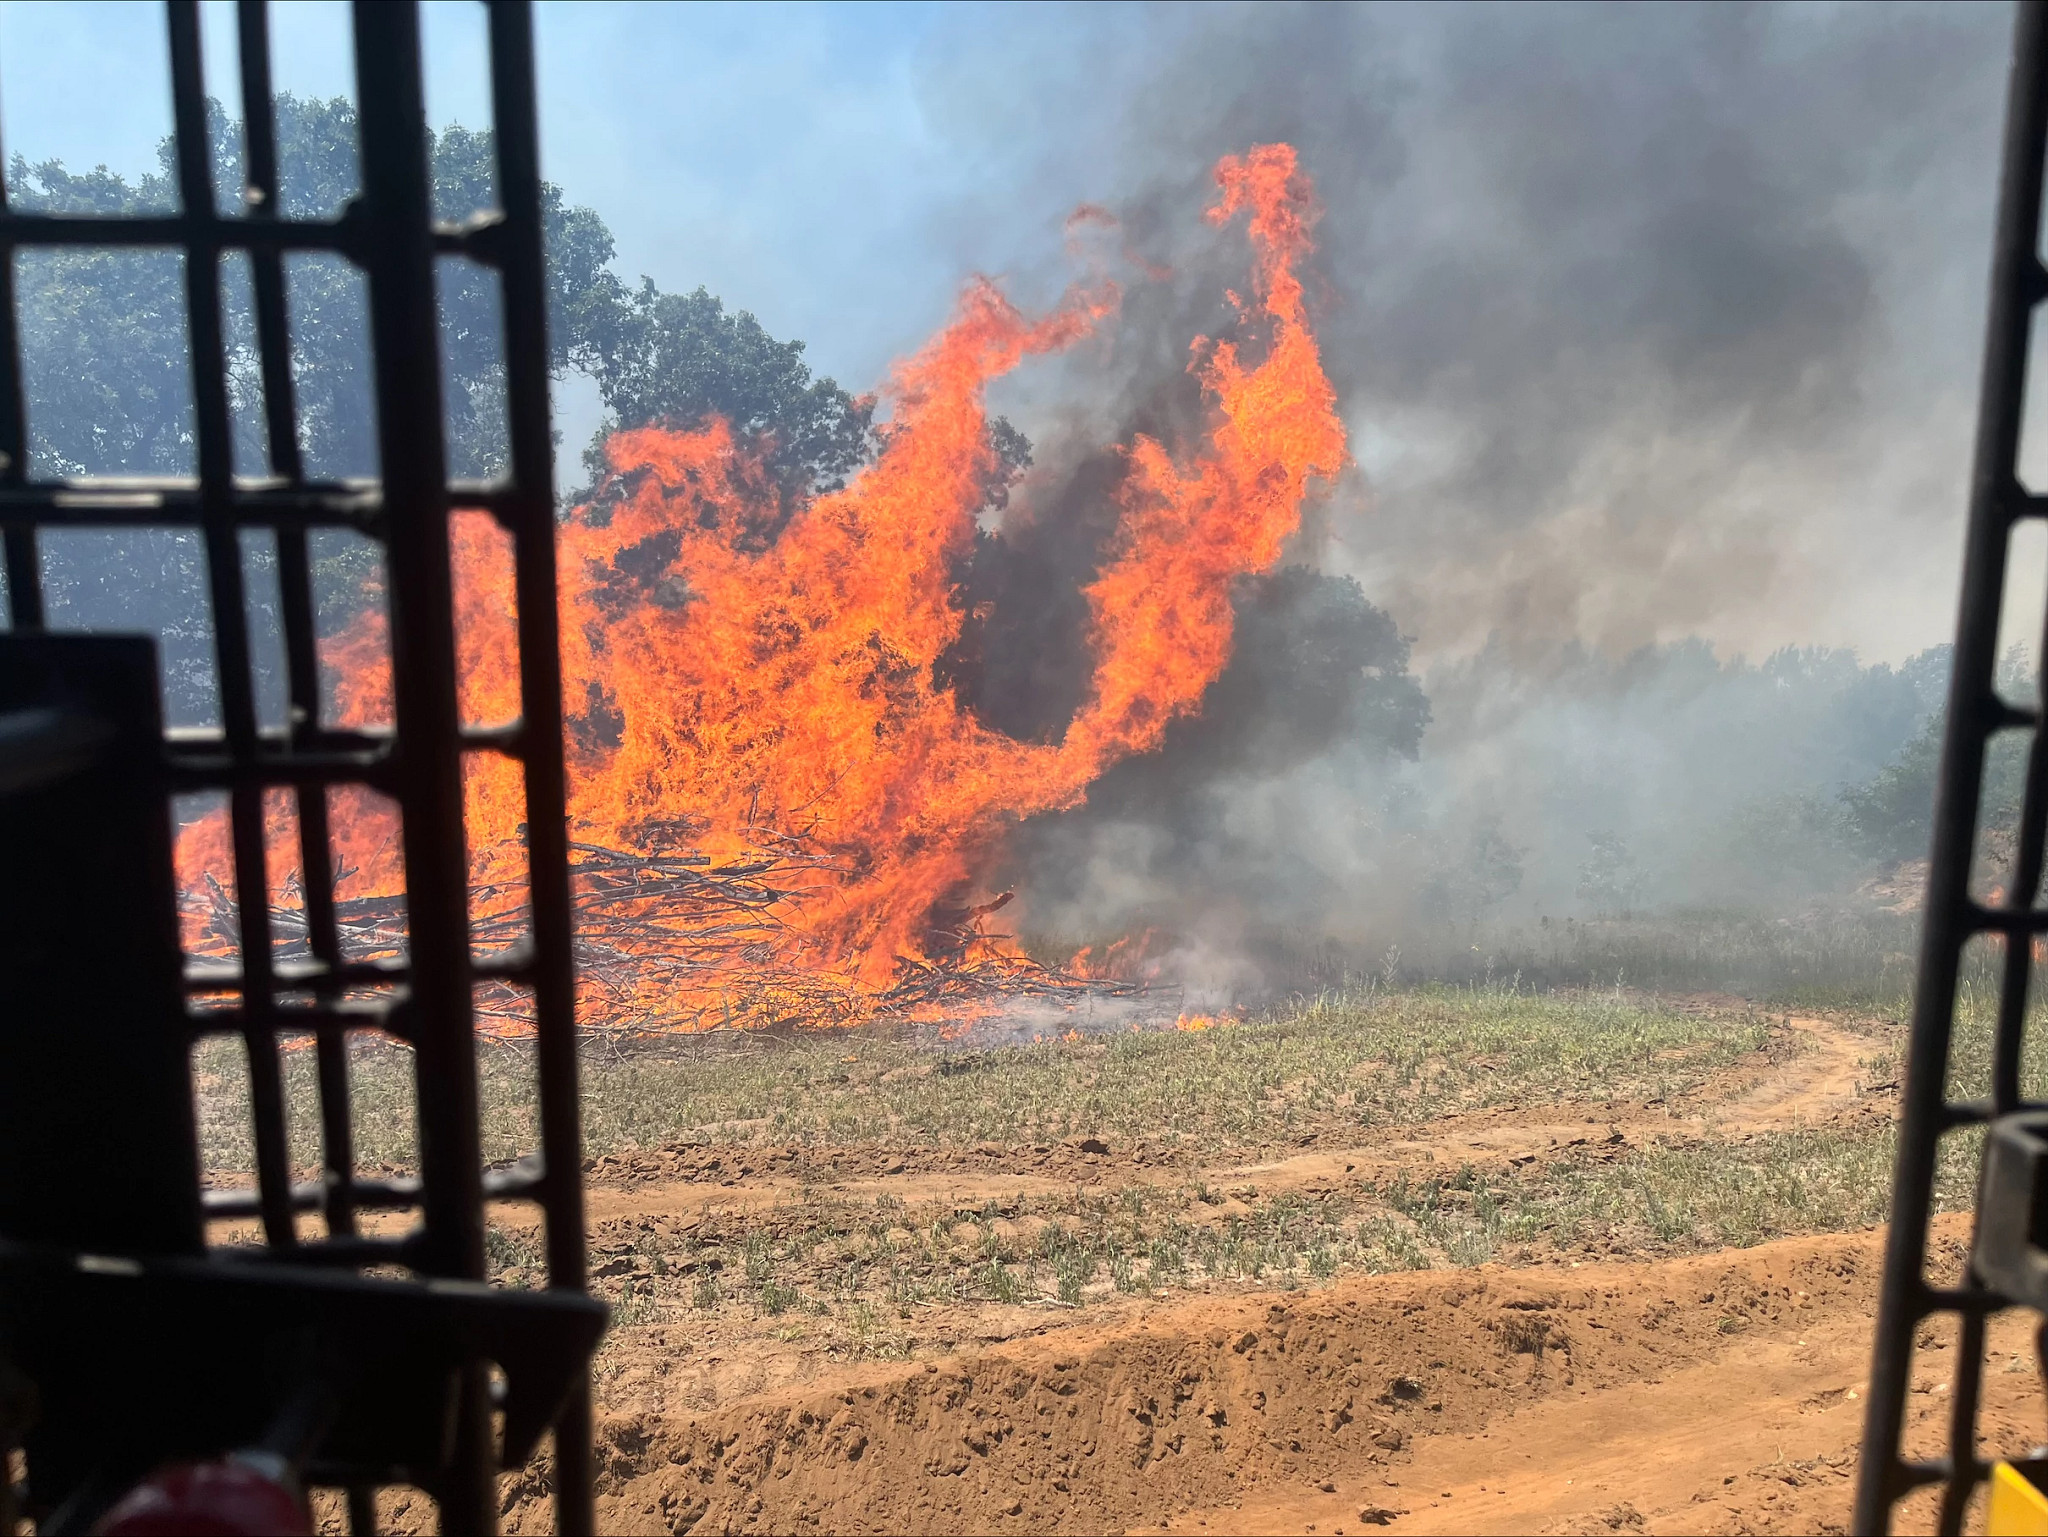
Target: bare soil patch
1716	1393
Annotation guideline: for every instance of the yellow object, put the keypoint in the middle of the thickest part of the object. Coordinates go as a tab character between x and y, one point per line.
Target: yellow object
2018	1508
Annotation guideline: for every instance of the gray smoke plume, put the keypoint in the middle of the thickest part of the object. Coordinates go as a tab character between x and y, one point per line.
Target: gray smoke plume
1648	321
1651	325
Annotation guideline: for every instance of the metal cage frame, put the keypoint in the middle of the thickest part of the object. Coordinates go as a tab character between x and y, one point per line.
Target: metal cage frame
1976	711
389	234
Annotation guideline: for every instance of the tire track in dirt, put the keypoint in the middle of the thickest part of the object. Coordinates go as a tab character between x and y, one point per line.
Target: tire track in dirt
1822	1081
1827	1079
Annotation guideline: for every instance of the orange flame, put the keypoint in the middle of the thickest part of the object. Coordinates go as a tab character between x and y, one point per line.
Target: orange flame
1129	958
750	692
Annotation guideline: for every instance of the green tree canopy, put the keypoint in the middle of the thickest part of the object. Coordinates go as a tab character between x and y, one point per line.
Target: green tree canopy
104	353
679	359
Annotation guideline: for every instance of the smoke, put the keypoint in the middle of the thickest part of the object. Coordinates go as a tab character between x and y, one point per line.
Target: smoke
1655	331
1648	321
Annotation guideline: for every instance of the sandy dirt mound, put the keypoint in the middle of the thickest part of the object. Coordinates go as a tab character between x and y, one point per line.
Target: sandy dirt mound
1715	1393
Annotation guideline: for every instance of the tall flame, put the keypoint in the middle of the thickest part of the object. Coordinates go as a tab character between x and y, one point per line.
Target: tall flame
760	695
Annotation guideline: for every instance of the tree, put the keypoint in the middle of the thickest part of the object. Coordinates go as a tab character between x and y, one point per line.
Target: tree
1610	878
104	350
1477	878
1317	695
1892	813
678	359
1312	663
109	392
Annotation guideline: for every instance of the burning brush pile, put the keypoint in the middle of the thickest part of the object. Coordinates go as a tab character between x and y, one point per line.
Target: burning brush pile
779	812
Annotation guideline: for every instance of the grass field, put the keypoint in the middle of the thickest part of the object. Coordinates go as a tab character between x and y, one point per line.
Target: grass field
1182	1116
1364	1060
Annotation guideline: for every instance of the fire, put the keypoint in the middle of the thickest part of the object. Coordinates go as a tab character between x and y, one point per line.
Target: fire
756	727
1128	958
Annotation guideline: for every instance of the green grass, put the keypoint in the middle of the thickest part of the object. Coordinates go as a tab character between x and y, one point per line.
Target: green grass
1361	1059
1370	1059
1334	1066
860	1260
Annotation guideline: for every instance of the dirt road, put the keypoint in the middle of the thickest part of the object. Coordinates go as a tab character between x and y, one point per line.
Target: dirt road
1719	1392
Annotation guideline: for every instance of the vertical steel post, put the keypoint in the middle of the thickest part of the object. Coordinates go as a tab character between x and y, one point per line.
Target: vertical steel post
530	512
1975	711
398	254
17	542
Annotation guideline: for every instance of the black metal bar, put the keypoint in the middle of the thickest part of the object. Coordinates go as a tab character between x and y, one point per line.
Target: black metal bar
322	1022
531	516
192	771
350	1252
477	239
1968	1112
260	195
193	744
519	1183
180	507
230	614
2023	886
518	964
337	1132
302	974
24	576
115	501
179	230
328	749
1962	1424
1998	920
1917	1475
510	740
405	333
295	594
2017	964
1960	1300
398	255
426	999
1973	713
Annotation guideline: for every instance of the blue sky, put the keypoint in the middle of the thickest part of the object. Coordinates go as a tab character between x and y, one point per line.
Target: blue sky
788	157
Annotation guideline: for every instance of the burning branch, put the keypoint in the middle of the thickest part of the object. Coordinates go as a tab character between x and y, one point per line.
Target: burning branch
673	940
740	684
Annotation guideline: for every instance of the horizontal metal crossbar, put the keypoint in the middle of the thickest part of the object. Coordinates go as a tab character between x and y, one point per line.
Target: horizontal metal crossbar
522	1182
178	502
480	239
